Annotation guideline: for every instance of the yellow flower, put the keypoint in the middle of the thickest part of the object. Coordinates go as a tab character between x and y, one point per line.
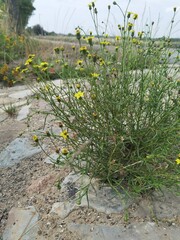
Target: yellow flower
28	62
140	34
79	95
44	69
57	50
47	87
178	161
79	62
104	43
78	85
65	65
44	64
78	33
129	14
90	40
31	56
17	69
135	16
90	6
130	25
64	134
117	38
83	50
136	41
95	75
101	62
35	138
58	98
64	151
24	70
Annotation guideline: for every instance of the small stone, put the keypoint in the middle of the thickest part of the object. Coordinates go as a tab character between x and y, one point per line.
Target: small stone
63	209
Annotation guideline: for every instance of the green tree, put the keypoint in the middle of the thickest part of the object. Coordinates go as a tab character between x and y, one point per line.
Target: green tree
19	12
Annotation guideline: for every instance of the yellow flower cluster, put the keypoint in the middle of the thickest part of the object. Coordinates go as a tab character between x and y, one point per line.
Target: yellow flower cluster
105	43
57	50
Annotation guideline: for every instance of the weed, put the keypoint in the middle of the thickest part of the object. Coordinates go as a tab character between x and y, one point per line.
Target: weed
10	109
118	107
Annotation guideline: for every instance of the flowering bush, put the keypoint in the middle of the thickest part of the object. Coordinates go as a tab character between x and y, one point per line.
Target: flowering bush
11	47
120	122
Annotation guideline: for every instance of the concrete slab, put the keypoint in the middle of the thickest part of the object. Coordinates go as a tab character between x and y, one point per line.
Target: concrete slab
21	94
22	224
139	231
23	113
16	151
52	158
101	198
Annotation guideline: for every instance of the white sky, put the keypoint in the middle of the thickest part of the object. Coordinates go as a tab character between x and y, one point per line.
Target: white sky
63	16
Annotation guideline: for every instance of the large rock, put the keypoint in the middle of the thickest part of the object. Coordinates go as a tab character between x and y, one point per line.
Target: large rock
101	198
139	231
22	224
163	205
16	151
